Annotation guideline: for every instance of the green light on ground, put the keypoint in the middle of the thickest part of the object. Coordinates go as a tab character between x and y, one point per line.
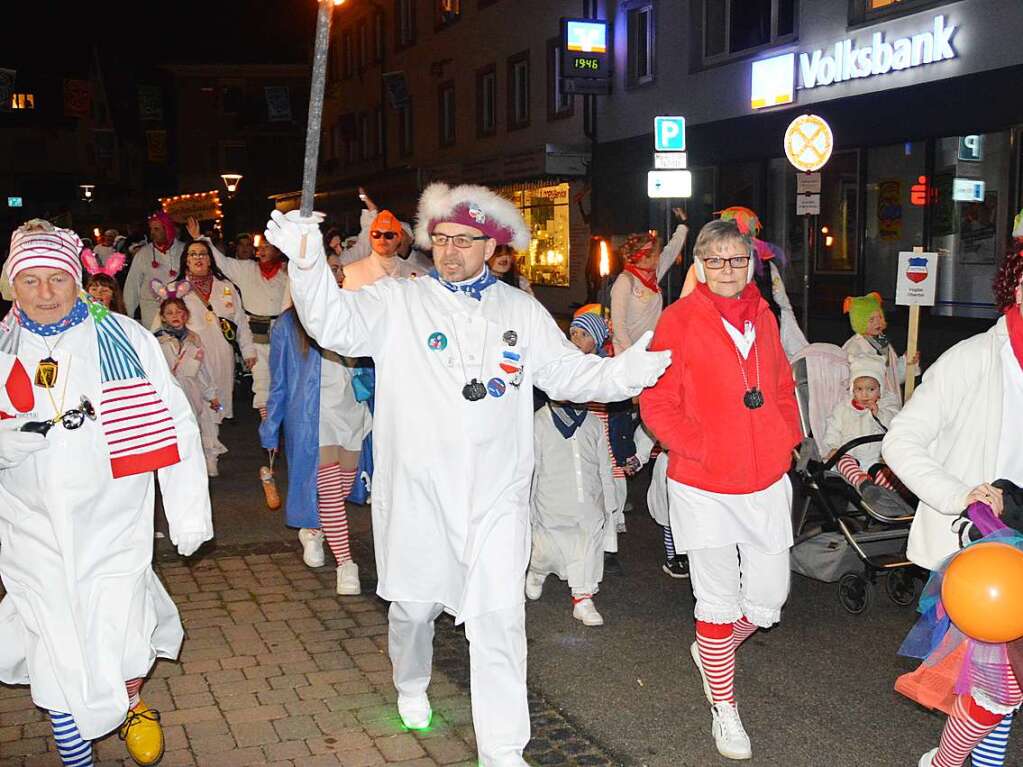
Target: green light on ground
424	728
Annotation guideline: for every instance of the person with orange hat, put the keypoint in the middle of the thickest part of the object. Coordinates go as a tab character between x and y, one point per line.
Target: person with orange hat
385	237
410	258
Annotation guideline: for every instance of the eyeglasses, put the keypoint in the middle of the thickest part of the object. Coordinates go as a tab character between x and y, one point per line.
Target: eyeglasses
460	241
70	420
736	262
376	235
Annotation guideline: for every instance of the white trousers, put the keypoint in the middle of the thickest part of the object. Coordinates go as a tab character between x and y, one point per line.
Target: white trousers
732	581
261	376
618	515
497	672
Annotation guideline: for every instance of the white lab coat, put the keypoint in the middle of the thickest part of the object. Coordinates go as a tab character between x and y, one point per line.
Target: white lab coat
137	291
186	360
452	477
225	302
573	499
84	610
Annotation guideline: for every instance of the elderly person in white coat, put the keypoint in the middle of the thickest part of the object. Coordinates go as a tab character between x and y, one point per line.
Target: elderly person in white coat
156	260
450	510
85	616
950	442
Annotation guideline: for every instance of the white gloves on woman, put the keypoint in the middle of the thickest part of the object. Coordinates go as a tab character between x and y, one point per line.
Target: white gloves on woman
285	232
16	446
638	368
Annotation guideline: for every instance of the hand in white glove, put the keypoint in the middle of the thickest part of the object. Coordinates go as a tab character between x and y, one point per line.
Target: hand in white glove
189	543
638	368
286	232
16	446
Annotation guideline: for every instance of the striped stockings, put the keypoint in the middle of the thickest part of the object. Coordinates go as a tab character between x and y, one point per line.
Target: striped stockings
332	487
849	468
990	752
262	413
717	643
968	725
669	543
73	749
133	686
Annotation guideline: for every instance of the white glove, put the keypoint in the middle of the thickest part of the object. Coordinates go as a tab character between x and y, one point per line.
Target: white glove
638	368
189	543
16	446
286	232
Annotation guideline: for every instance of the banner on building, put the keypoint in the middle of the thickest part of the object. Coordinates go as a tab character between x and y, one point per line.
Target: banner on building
150	103
156	146
278	103
204	206
6	88
77	98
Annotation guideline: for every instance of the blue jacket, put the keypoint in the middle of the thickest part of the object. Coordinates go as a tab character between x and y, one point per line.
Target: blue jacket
294	405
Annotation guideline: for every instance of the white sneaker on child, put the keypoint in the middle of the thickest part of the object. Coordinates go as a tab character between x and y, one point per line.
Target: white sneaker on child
729	735
927	760
585	611
694	650
348	579
312	547
415	712
534	584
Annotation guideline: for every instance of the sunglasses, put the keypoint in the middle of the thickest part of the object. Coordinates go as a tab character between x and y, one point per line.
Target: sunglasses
70	420
376	235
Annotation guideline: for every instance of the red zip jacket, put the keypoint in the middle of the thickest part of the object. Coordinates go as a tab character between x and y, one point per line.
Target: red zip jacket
696	409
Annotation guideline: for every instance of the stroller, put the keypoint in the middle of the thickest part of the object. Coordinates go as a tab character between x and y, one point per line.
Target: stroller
838	535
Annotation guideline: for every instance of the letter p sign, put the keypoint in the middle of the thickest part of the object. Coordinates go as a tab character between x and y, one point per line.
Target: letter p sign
670	134
971	148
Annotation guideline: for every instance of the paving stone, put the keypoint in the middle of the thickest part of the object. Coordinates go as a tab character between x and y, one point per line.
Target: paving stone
254	733
400	748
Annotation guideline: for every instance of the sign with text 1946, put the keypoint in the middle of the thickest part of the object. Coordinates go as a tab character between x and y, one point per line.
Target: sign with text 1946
584	49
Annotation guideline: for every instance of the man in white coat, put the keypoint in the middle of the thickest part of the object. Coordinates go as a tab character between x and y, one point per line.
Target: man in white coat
453	455
157	260
85	616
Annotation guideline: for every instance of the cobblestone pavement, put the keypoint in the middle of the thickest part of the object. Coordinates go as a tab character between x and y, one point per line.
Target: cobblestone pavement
277	669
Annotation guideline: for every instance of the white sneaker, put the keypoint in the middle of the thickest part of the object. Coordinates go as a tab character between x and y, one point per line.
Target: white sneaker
729	735
534	584
415	713
211	466
694	650
312	547
348	579
585	611
927	760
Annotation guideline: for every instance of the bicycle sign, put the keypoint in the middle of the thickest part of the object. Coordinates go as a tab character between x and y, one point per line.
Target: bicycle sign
808	142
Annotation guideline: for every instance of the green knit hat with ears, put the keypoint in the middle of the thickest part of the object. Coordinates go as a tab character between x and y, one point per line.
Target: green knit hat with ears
860	309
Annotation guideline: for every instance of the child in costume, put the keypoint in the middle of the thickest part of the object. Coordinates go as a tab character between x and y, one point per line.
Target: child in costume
868	323
186	359
107	291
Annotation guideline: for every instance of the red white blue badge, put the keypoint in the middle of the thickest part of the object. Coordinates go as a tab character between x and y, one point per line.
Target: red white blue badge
916	271
496	387
437	342
511	362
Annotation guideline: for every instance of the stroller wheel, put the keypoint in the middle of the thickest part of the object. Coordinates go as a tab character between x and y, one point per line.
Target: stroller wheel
855	592
900	585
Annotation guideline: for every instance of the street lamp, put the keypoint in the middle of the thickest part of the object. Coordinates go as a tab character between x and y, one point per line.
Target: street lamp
231	181
86	190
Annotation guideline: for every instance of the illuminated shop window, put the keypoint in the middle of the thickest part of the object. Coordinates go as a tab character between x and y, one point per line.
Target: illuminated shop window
23	101
546	211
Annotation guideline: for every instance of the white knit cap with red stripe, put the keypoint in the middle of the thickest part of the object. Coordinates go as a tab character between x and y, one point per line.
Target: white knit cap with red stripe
42	249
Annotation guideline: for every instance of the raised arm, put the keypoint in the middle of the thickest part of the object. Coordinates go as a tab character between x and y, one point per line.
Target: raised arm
234	269
671	251
361	249
621	295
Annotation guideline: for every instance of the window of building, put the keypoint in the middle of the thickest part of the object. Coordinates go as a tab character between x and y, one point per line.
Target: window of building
405	22
448	11
347	55
868	10
518	90
406	136
546	212
379	30
362	32
559	103
737	27
486	101
446	113
23	101
640	27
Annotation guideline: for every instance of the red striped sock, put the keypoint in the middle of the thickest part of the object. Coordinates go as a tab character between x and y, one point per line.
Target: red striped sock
885	478
262	413
742	630
332	487
577	598
968	725
849	468
717	656
134	687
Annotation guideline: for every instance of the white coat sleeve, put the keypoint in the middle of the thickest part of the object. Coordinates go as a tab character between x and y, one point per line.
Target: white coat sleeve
606	477
206	384
184	486
621	295
834	436
232	268
349	322
644	444
907	446
792	338
133	282
671	251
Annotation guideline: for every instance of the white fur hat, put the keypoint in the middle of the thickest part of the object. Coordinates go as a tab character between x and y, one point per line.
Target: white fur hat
862	366
474	206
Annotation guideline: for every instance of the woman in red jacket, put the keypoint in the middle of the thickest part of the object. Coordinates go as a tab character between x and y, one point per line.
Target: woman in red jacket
726	411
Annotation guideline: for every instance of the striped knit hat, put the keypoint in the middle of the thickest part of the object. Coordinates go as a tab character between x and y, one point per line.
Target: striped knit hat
38	244
594	325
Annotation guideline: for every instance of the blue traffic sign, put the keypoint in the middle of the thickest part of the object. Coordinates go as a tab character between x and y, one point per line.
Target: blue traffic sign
670	134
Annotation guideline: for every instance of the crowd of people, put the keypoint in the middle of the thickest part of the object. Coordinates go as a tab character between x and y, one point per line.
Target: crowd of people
507	462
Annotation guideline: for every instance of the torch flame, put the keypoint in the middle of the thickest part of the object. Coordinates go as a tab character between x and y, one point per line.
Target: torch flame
605	260
257	240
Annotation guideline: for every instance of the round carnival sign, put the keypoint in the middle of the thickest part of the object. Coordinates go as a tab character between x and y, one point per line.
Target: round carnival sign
808	142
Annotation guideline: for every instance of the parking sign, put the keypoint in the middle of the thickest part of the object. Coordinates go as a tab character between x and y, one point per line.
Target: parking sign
670	134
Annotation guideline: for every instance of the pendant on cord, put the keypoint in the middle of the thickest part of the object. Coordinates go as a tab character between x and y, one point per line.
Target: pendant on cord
46	373
753	399
474	391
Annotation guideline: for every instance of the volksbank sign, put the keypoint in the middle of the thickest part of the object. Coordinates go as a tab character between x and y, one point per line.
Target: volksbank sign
773	78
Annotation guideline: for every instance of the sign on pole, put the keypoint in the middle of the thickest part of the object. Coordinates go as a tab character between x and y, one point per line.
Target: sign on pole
809	142
670	134
915	287
808	204
670	160
669	183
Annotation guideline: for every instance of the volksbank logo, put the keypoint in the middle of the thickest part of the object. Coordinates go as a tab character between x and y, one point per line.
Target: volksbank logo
880	57
773	78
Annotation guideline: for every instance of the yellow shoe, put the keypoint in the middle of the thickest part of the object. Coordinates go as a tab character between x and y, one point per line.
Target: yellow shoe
142	734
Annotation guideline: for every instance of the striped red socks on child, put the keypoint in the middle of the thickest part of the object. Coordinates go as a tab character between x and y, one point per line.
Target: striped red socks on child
333	486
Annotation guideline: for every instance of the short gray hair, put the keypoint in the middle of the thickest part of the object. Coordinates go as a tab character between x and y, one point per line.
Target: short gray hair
717	232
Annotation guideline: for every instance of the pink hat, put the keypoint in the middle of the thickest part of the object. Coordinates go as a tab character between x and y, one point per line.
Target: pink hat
46	249
474	206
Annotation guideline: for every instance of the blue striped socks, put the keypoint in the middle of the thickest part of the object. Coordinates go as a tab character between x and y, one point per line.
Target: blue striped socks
669	544
990	752
73	749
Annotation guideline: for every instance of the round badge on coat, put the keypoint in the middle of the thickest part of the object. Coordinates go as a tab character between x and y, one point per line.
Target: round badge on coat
510	337
437	342
496	387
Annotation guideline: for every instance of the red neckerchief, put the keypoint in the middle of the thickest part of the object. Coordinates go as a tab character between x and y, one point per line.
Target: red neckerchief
736	311
202	285
647	276
270	270
1014	321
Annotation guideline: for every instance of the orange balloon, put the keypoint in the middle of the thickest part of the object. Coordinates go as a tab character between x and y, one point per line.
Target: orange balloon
983	592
